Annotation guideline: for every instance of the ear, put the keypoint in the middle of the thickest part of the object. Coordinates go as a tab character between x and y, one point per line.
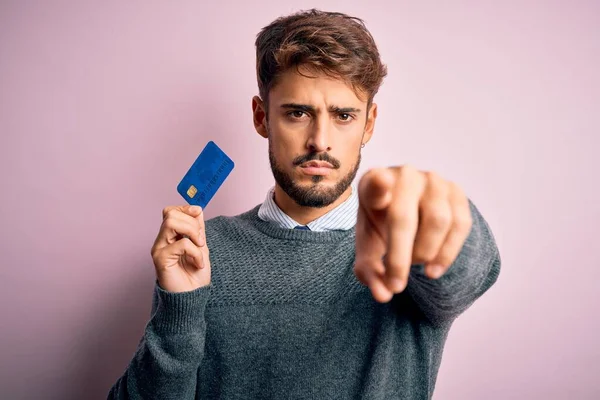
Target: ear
370	124
260	116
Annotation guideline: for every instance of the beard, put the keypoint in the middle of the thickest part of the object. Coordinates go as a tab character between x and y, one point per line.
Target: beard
315	195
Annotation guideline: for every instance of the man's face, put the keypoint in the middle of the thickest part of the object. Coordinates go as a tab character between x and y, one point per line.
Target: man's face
315	128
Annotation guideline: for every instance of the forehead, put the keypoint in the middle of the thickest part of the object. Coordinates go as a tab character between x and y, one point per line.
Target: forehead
310	87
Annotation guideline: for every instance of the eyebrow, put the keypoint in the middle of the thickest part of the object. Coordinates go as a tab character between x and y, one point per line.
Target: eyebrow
311	109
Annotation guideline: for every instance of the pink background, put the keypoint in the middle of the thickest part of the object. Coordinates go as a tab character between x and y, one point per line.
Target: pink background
104	106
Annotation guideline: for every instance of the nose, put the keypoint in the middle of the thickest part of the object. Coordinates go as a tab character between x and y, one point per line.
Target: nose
318	140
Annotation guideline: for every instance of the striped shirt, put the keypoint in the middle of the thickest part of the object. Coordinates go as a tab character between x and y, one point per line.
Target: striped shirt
343	217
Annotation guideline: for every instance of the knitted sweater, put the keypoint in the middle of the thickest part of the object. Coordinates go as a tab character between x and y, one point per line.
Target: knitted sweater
285	318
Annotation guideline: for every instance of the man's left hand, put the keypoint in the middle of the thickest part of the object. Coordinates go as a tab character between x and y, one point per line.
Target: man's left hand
407	217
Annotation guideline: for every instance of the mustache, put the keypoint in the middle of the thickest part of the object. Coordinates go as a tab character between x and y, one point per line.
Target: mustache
316	157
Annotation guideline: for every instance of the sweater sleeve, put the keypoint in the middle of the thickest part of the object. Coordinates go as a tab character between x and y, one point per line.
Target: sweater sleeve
473	272
165	364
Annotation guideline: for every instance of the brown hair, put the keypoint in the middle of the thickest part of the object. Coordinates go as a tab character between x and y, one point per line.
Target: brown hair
330	42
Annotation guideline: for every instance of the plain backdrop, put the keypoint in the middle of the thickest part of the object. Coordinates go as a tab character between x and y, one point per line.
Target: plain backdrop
105	105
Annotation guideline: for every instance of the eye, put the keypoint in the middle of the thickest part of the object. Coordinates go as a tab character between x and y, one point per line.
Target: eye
345	117
296	114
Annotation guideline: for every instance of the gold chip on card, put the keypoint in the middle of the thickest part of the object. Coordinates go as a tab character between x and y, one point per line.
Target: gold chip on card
192	191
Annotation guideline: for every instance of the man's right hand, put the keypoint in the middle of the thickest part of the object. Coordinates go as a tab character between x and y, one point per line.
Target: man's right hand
180	253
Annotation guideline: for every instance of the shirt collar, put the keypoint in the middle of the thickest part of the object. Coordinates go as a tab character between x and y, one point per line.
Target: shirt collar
343	217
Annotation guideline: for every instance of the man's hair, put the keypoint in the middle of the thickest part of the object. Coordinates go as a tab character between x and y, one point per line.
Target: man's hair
329	42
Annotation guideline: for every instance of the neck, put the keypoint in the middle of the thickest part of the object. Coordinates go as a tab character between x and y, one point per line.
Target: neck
304	215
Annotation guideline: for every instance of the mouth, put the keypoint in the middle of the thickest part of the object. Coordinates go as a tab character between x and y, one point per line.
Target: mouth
316	168
316	164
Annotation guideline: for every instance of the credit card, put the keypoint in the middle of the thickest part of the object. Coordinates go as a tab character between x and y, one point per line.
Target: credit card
205	176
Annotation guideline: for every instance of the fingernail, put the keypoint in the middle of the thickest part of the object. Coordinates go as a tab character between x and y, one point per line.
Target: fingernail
195	208
397	285
436	271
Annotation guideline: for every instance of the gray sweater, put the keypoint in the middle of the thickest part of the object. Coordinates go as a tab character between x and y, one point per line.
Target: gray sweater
285	318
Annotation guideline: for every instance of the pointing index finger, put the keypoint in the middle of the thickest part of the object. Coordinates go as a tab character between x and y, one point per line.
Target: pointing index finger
402	224
375	189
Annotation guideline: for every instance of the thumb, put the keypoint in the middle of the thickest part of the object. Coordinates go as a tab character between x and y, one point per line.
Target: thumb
191	210
198	213
194	211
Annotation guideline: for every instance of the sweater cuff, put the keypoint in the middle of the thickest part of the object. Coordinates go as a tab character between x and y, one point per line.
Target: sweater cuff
180	312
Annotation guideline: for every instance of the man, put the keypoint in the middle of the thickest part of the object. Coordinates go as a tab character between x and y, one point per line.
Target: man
326	290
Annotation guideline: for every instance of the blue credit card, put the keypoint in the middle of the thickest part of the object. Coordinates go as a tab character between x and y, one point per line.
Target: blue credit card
205	176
